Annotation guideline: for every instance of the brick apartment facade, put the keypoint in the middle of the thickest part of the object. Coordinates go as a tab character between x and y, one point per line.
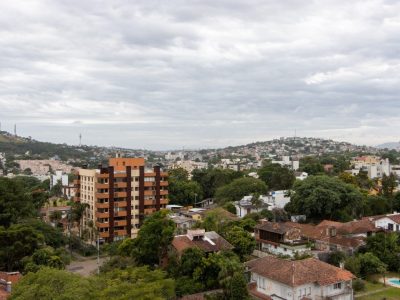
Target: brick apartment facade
120	196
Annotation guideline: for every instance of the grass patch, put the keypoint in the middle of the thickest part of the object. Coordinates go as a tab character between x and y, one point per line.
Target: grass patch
374	288
389	293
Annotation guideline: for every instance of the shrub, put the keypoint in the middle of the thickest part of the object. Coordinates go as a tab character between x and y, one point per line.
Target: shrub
358	285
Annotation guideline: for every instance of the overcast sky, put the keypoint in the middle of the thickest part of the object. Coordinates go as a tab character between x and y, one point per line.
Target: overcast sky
207	73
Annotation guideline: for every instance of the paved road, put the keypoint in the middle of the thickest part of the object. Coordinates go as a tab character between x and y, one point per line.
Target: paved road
85	267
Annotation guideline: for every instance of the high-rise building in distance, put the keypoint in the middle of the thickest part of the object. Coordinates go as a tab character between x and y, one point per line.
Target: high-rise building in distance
120	196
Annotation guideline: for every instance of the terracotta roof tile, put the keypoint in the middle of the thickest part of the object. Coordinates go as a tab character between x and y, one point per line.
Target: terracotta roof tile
218	243
299	272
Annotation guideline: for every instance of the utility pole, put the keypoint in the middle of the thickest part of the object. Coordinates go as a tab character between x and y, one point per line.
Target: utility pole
69	230
15	129
98	252
80	139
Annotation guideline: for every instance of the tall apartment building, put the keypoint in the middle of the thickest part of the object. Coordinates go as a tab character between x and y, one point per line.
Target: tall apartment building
120	196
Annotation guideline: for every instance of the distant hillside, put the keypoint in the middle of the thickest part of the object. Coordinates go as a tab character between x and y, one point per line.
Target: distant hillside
390	146
29	148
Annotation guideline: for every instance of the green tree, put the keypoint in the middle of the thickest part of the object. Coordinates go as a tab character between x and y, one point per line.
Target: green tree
78	210
378	205
348	178
48	283
153	239
239	188
324	197
386	247
16	242
183	191
389	184
190	260
311	165
396	202
52	236
336	258
276	176
43	257
134	283
363	181
230	207
16	202
243	242
212	179
370	264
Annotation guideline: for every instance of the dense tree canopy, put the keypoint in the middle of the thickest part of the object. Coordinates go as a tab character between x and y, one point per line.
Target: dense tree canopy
131	283
386	247
276	177
324	197
243	242
212	179
239	188
17	201
153	240
16	242
311	165
183	191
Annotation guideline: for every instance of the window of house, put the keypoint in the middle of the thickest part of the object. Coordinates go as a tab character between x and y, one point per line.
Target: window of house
262	283
337	286
309	291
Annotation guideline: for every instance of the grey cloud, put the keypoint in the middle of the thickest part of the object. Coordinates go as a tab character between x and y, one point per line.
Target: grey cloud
168	74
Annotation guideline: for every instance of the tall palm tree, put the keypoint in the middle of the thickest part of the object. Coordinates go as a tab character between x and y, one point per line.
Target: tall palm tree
78	209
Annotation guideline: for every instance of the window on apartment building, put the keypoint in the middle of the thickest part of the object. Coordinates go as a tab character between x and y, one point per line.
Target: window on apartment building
136	188
337	286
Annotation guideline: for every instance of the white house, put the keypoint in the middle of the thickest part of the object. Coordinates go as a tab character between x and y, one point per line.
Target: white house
275	199
245	206
389	222
275	278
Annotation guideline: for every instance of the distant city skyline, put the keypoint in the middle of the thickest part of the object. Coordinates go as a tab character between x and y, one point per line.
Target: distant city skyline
200	74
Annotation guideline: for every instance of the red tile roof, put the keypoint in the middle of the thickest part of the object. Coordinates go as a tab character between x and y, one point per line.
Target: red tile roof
218	243
299	272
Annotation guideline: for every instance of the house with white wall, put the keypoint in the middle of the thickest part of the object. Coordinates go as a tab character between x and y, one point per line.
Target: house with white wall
279	239
246	206
275	278
389	222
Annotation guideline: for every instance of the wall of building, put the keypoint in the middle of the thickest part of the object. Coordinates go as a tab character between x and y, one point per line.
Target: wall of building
384	223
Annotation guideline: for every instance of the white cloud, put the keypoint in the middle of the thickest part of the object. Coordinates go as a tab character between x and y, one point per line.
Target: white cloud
199	73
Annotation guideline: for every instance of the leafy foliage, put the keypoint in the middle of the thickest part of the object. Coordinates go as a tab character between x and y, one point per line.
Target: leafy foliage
239	188
131	283
386	247
276	176
243	242
212	179
16	242
16	201
324	197
152	242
